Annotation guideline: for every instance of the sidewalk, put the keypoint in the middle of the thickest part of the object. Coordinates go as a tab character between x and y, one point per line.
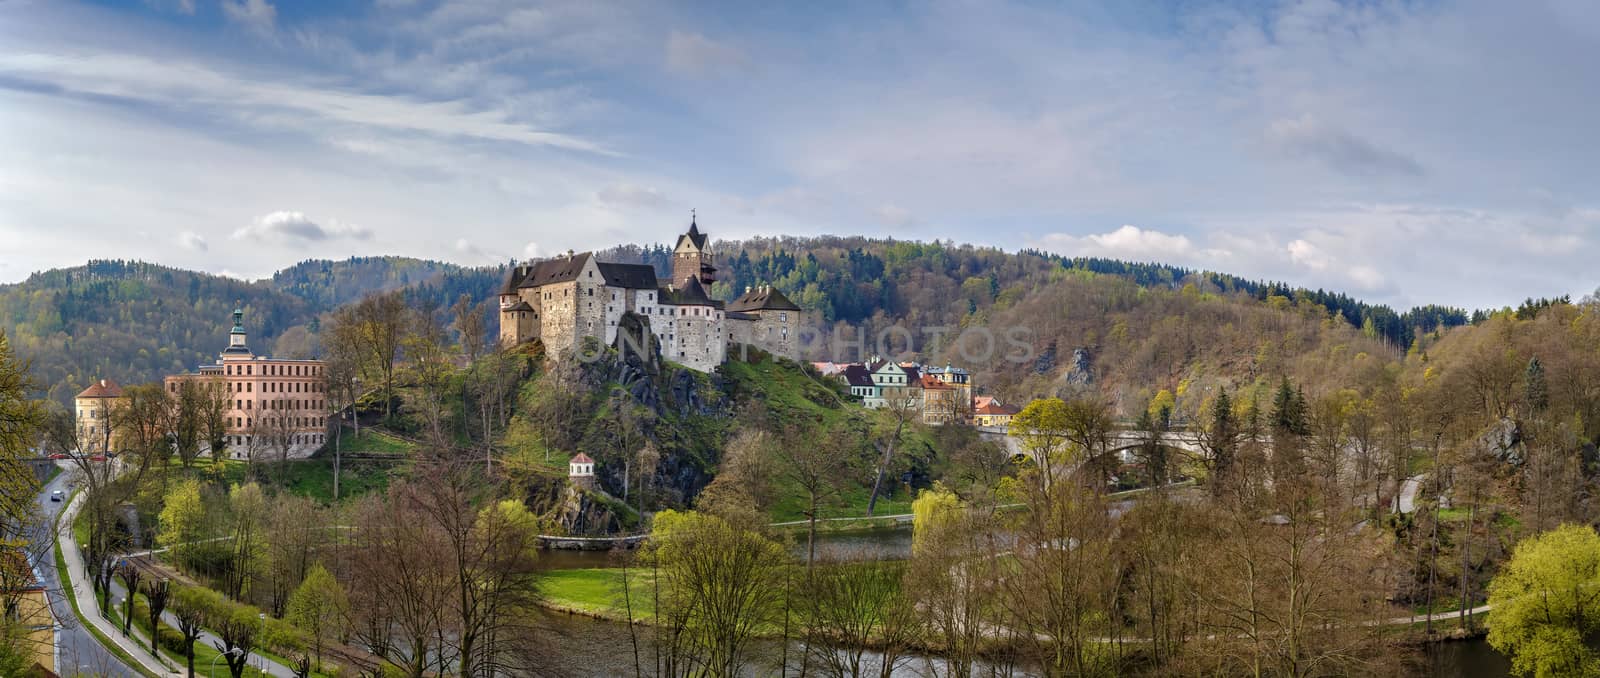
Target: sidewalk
135	644
82	596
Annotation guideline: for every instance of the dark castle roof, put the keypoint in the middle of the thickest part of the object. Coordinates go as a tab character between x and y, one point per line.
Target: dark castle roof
687	293
695	237
559	269
567	268
630	276
764	298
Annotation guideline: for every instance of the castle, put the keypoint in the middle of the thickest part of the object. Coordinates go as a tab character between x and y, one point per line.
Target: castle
562	300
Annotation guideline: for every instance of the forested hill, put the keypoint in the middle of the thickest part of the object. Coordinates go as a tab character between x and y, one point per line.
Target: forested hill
136	322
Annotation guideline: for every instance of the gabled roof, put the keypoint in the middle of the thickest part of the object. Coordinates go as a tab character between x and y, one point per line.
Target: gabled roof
763	298
105	388
688	292
993	409
629	276
513	279
559	269
694	236
521	306
858	375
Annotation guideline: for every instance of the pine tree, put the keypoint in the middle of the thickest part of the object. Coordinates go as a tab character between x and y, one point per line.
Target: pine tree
1222	435
1538	391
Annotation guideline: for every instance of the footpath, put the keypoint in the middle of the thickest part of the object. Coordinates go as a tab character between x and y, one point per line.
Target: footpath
136	644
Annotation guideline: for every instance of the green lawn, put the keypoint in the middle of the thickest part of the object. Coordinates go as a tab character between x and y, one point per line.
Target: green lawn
851	503
372	442
597	591
314	477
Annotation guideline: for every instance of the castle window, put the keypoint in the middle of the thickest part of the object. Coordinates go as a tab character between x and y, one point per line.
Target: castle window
591	291
783	317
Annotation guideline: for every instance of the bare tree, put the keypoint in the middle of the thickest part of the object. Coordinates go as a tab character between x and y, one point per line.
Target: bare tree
815	462
468	319
900	404
213	402
376	327
428	362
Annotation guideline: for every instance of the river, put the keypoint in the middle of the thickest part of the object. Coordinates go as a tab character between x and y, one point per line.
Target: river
589	647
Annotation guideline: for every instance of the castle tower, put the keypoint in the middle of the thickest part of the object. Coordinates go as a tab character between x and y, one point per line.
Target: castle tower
692	258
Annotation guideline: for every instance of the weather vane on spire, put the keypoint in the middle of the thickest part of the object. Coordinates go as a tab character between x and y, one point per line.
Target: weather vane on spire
692	217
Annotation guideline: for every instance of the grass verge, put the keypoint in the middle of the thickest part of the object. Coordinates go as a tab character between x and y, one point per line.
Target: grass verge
66	583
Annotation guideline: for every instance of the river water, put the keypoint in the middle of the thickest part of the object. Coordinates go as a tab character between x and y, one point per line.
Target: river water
582	646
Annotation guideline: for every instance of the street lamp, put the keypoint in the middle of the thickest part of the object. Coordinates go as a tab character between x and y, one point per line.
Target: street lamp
212	672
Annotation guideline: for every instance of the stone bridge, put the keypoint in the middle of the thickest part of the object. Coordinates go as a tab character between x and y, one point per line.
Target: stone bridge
1120	441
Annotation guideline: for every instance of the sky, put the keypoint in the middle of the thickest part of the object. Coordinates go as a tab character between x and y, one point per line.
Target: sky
1403	152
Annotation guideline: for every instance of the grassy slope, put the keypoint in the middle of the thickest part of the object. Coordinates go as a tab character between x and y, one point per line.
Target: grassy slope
792	394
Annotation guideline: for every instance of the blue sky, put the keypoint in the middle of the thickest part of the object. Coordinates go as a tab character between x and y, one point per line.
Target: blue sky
1405	152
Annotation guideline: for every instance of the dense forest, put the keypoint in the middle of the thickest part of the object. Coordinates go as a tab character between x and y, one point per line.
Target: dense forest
1084	319
135	322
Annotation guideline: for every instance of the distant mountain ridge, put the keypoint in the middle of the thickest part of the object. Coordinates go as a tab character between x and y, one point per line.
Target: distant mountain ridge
135	321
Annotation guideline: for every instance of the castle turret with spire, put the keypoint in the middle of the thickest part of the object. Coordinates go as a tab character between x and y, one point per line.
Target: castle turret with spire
563	300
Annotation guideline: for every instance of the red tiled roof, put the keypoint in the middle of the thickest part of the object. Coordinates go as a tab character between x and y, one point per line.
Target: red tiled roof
993	409
105	388
582	459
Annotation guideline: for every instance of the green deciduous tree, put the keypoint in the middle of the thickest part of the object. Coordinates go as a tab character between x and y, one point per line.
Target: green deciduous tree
725	581
182	518
319	607
20	421
1546	602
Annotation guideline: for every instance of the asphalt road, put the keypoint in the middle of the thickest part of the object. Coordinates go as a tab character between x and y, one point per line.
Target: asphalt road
79	652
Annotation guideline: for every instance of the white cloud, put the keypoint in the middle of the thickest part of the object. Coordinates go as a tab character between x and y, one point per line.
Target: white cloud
1316	258
265	102
257	15
695	54
1304	253
179	6
289	226
530	251
192	241
474	254
1127	242
628	195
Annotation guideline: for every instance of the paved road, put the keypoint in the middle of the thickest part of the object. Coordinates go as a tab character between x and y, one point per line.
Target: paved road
1408	493
80	653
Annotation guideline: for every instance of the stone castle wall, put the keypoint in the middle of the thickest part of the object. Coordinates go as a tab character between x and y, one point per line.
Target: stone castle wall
558	321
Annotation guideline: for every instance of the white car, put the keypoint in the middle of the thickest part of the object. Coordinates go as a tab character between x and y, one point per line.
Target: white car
57	495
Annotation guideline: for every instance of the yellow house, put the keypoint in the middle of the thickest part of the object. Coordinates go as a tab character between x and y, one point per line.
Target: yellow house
993	414
23	601
94	408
